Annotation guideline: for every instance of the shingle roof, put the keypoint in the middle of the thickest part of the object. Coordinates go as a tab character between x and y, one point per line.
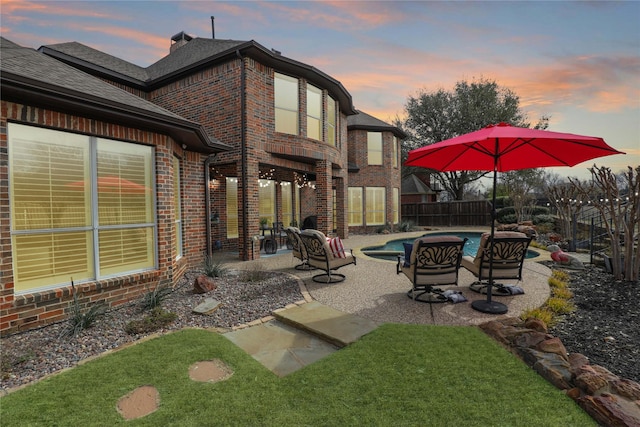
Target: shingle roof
198	52
25	72
42	69
411	184
101	59
198	49
367	122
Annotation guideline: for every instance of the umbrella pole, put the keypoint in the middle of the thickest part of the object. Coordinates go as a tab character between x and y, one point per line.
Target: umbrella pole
489	306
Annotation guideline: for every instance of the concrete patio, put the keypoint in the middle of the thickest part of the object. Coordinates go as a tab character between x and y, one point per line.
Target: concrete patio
334	315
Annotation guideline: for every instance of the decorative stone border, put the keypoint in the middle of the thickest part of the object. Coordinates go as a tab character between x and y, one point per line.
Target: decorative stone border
607	398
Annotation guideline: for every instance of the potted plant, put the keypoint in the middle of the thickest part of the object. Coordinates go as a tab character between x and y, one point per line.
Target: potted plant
264	223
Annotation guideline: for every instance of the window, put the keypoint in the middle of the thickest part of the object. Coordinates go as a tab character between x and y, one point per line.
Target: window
81	207
267	200
354	212
178	206
374	148
287	205
286	104
314	112
334	216
331	121
396	205
375	205
232	207
395	152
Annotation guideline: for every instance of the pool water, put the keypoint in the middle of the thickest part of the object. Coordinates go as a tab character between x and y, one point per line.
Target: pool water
392	248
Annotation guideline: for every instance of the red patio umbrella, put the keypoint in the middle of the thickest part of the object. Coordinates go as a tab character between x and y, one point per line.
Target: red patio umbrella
503	147
112	184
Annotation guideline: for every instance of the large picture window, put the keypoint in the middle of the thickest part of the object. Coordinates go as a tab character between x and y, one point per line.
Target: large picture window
287	203
396	205
375	205
374	148
331	121
81	207
354	211
314	112
286	104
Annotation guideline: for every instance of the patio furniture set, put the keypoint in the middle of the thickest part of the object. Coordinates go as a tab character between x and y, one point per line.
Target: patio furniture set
429	262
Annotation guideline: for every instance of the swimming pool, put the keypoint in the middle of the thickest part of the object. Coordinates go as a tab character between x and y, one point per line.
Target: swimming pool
393	248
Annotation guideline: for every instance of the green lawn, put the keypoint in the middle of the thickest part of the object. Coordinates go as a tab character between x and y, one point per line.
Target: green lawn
399	375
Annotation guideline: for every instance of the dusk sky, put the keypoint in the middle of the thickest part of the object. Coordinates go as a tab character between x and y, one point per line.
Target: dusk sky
578	62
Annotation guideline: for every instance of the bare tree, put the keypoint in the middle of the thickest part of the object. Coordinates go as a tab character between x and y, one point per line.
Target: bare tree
618	205
564	197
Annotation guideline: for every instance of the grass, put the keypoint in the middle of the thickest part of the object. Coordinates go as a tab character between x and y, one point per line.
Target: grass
400	375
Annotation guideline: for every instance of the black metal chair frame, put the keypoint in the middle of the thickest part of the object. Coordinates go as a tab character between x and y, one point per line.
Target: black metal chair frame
298	249
435	261
320	257
509	253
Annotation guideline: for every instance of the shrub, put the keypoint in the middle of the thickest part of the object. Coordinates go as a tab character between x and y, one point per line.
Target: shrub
545	227
542	219
406	226
559	305
154	298
541	313
562	276
256	273
563	293
82	320
508	212
213	267
158	318
540	210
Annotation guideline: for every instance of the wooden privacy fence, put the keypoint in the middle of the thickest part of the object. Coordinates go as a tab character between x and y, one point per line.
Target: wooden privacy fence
448	214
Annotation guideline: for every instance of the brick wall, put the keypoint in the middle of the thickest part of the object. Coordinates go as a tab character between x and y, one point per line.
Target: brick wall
26	311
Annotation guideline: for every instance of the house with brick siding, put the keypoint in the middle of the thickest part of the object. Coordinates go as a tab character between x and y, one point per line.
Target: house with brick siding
120	177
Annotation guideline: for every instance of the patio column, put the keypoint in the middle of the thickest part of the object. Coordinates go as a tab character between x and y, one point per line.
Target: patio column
324	196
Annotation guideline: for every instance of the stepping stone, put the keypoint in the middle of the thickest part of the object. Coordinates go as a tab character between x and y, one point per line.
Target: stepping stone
210	371
208	306
140	402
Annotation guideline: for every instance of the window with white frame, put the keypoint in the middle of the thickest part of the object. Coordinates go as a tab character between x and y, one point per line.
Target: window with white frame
331	121
395	152
286	104
231	184
82	207
267	200
314	112
287	203
375	205
396	205
355	209
374	148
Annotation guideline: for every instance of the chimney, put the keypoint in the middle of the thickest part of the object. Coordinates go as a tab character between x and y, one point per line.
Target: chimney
179	40
213	28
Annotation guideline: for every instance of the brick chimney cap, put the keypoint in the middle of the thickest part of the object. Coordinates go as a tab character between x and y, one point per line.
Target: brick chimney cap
181	36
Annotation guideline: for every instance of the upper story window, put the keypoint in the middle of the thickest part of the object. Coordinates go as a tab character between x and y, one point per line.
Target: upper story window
395	152
374	148
314	112
331	121
286	104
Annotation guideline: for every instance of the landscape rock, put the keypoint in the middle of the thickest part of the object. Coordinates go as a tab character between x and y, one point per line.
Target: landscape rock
607	398
203	284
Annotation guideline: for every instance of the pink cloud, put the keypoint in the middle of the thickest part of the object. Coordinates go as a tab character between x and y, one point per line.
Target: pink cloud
11	7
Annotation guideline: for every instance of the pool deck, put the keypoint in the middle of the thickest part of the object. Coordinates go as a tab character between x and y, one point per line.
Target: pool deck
374	291
334	315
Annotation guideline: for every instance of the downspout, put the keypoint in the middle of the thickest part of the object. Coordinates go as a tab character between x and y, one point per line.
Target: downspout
243	160
207	202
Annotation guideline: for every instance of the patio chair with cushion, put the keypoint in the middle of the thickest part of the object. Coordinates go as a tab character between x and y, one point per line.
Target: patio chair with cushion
321	256
297	248
509	252
432	261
